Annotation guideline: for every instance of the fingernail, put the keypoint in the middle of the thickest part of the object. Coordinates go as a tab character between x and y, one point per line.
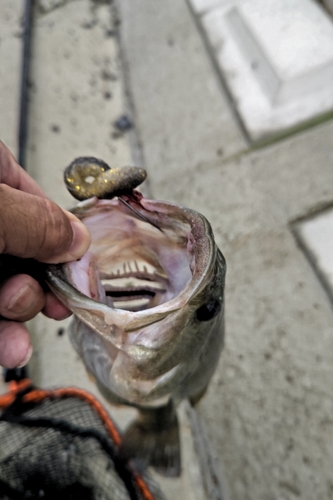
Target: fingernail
23	301
81	240
26	358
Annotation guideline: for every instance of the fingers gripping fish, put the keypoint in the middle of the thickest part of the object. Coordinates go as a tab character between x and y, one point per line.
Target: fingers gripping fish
148	305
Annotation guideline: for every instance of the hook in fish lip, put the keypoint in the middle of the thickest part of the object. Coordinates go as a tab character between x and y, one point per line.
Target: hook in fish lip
139	214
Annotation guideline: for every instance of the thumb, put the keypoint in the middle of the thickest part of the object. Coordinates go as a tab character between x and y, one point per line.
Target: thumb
35	227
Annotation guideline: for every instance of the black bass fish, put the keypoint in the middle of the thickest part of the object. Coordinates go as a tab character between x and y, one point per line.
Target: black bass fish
148	304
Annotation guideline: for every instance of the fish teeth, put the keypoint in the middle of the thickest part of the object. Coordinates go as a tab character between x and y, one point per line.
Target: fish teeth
134	268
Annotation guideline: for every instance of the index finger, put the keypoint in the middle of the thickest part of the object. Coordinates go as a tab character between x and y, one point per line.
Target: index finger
14	176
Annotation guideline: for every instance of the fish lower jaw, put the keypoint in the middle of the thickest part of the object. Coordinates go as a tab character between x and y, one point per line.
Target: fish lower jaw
156	403
151	393
142	400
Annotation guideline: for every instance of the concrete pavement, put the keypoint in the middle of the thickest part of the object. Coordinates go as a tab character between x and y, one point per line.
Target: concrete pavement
268	410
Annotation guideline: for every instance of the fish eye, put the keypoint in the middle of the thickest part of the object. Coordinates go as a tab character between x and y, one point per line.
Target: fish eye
208	311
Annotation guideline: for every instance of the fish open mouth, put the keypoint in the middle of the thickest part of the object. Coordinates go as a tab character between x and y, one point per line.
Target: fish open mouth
131	265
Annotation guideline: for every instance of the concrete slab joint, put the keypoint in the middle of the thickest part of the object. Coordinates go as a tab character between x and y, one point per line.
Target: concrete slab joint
276	58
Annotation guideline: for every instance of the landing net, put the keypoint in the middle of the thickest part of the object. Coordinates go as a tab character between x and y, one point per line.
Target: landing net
62	445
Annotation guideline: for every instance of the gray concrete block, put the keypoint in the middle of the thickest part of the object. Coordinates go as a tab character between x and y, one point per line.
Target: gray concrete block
182	112
268	407
76	94
297	173
294	177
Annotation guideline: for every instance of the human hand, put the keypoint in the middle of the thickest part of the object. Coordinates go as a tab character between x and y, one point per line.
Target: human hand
31	227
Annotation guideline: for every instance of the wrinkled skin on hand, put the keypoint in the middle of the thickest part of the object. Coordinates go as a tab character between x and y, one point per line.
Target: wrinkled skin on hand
32	228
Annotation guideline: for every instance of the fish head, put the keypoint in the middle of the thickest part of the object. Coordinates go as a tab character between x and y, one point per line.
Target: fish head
148	302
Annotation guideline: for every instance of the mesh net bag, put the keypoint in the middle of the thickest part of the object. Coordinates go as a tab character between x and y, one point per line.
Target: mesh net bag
62	444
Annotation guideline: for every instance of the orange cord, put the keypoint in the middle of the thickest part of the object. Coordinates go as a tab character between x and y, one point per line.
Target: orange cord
14	387
37	395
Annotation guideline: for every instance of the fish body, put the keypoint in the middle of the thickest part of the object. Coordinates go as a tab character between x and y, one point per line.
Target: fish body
148	313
